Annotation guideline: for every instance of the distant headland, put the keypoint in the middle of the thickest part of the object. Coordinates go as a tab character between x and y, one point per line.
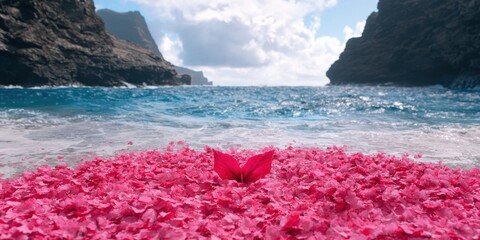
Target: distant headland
64	42
132	27
415	43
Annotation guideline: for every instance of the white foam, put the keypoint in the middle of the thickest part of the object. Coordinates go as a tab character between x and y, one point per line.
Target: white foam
11	87
27	148
128	85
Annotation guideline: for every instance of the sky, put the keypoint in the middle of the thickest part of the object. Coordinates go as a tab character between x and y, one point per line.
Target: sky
252	42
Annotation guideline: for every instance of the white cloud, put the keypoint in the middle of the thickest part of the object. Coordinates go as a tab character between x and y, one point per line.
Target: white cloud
357	32
248	42
171	49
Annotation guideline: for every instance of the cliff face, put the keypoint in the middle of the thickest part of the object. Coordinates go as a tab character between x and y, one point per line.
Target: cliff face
63	42
415	43
131	26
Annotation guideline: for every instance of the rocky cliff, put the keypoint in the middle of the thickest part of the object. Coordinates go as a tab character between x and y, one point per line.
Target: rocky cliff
63	42
415	43
131	26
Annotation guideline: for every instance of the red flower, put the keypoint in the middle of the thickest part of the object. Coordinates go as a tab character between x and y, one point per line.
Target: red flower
256	167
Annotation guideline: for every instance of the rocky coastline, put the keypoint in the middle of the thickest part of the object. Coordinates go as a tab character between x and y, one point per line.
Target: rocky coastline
132	27
64	43
415	43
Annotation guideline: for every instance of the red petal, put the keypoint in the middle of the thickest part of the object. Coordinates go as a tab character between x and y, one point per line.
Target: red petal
292	222
257	167
226	166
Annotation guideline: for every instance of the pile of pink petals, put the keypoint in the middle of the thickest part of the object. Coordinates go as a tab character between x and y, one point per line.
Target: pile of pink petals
309	194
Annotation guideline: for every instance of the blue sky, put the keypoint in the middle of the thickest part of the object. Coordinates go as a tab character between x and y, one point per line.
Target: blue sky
345	13
252	42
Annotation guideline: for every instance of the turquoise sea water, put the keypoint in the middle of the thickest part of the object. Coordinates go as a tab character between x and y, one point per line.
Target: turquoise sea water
51	125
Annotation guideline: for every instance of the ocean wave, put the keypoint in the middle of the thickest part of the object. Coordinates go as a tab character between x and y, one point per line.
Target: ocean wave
442	124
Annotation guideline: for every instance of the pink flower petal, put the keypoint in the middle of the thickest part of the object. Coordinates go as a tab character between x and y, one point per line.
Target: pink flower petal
309	193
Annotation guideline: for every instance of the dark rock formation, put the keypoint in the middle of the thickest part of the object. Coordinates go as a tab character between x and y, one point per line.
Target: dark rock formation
63	42
415	43
197	76
131	26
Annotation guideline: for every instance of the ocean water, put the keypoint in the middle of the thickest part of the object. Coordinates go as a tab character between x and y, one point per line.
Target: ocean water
68	125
